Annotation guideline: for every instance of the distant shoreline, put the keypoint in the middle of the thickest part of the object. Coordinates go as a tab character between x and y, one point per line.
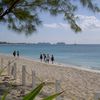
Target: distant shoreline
47	43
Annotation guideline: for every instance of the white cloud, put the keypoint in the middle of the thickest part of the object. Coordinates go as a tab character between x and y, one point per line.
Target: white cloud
52	25
85	22
57	25
88	22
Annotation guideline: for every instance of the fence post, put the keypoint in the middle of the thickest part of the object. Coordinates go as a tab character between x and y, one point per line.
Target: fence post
24	75
9	68
58	89
33	79
2	62
97	96
15	70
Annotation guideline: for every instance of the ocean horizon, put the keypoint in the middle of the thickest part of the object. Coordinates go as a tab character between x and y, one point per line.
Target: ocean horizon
81	55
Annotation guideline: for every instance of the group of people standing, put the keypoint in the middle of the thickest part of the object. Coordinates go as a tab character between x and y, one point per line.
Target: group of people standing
16	53
46	58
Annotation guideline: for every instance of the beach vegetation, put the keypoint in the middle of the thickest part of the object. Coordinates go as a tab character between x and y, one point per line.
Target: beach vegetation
5	95
33	94
23	15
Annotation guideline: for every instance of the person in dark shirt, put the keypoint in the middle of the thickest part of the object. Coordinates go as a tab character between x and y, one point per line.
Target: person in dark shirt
14	53
17	53
41	57
44	57
52	59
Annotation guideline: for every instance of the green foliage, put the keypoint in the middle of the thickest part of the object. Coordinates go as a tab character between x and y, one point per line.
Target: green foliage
52	96
4	96
34	93
7	91
23	15
90	5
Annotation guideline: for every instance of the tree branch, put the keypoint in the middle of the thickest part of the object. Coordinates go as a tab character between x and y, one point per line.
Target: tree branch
9	9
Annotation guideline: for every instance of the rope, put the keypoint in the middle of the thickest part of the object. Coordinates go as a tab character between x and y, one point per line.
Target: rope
10	62
7	65
13	60
35	76
39	79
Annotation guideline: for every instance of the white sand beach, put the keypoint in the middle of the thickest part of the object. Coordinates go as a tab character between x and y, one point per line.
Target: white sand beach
77	83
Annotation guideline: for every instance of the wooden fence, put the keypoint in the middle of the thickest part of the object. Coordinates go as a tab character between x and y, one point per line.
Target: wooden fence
12	71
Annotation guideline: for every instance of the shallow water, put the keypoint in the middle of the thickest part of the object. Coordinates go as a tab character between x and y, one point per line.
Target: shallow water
87	56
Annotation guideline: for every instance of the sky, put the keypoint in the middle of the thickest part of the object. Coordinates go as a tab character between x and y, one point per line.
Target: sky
55	29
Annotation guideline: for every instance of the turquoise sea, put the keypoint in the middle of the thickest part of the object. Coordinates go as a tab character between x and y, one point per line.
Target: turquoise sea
86	56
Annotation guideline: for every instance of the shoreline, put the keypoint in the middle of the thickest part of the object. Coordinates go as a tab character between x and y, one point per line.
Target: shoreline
56	64
63	65
78	82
